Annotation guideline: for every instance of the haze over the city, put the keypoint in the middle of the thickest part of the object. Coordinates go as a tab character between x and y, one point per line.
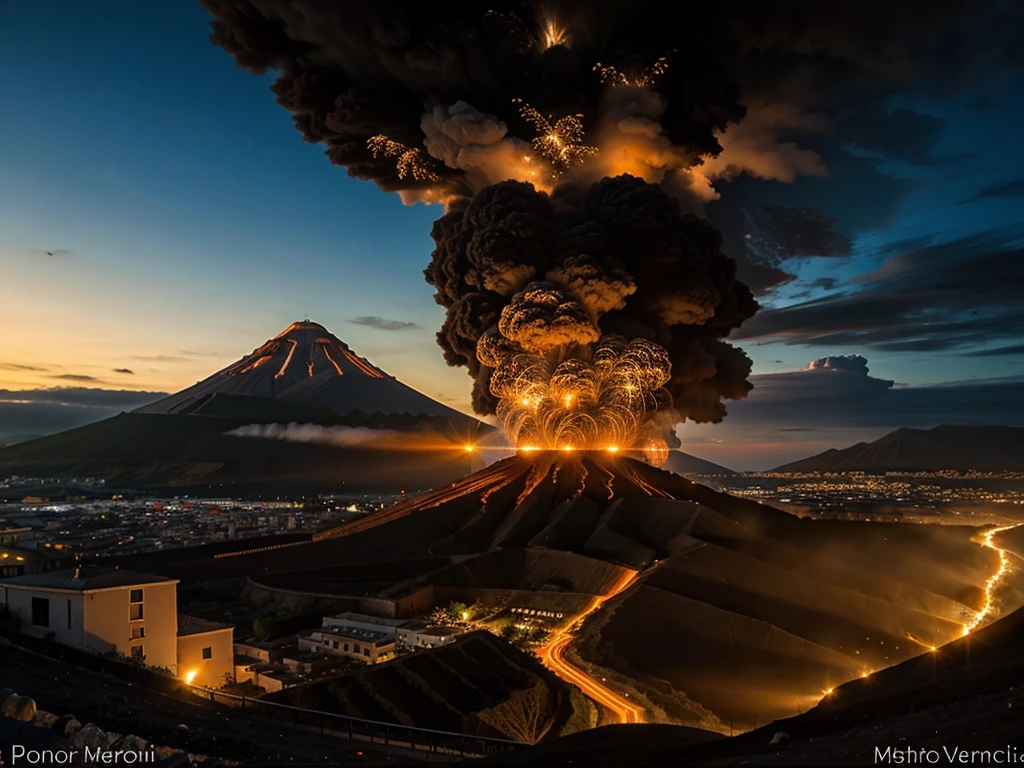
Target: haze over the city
159	220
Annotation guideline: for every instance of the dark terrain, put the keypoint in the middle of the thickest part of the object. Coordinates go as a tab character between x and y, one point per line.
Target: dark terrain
986	449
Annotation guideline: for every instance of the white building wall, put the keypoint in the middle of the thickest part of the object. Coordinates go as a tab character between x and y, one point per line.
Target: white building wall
100	620
20	602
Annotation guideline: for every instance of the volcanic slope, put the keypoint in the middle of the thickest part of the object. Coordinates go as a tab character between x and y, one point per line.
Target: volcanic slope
740	613
306	363
303	376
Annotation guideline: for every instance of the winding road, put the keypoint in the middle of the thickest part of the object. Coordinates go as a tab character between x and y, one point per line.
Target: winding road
552	656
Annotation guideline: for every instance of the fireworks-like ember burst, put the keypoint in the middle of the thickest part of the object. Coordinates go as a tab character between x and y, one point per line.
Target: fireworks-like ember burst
410	163
561	143
647	78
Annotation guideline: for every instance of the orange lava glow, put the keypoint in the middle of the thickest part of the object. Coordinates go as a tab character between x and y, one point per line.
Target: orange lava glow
333	362
552	656
287	360
362	365
993	581
254	365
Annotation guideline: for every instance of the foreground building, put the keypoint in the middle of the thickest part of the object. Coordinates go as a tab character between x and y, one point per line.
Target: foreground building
111	610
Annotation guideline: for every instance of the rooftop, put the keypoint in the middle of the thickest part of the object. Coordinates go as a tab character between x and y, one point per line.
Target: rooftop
352	633
193	625
86	578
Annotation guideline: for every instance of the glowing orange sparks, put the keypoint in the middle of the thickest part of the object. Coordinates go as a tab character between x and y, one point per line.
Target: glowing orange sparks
552	35
561	142
410	161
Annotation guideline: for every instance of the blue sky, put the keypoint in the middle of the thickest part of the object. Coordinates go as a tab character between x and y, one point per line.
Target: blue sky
195	215
197	223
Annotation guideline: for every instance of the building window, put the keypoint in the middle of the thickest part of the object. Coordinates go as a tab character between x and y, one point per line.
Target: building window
346	647
135	596
40	611
135	612
208	653
137	652
366	651
138	632
69	614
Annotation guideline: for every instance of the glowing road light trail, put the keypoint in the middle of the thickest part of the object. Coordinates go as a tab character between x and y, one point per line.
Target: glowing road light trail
994	580
552	656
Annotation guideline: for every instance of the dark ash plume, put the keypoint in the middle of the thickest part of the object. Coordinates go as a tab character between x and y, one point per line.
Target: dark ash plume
544	128
671	285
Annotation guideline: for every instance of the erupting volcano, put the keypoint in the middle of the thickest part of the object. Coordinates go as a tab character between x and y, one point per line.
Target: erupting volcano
573	147
583	295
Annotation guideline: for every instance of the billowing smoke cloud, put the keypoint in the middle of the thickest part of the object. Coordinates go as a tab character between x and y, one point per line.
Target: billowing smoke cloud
340	437
451	86
544	126
519	271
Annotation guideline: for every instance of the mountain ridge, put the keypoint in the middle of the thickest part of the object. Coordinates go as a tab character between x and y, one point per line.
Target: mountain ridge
307	364
954	447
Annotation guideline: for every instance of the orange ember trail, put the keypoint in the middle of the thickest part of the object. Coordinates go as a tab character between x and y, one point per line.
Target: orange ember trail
552	656
994	580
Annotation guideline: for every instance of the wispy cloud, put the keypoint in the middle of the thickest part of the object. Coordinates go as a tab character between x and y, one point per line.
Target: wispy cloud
124	370
74	377
19	367
384	324
42	411
1013	188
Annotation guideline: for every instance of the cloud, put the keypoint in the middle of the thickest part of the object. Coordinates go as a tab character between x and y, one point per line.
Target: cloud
124	370
852	363
181	356
1013	349
823	398
795	414
959	295
901	134
19	367
383	324
819	216
1013	188
315	433
44	411
73	377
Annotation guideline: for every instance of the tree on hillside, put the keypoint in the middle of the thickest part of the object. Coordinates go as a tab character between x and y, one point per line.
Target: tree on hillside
525	716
